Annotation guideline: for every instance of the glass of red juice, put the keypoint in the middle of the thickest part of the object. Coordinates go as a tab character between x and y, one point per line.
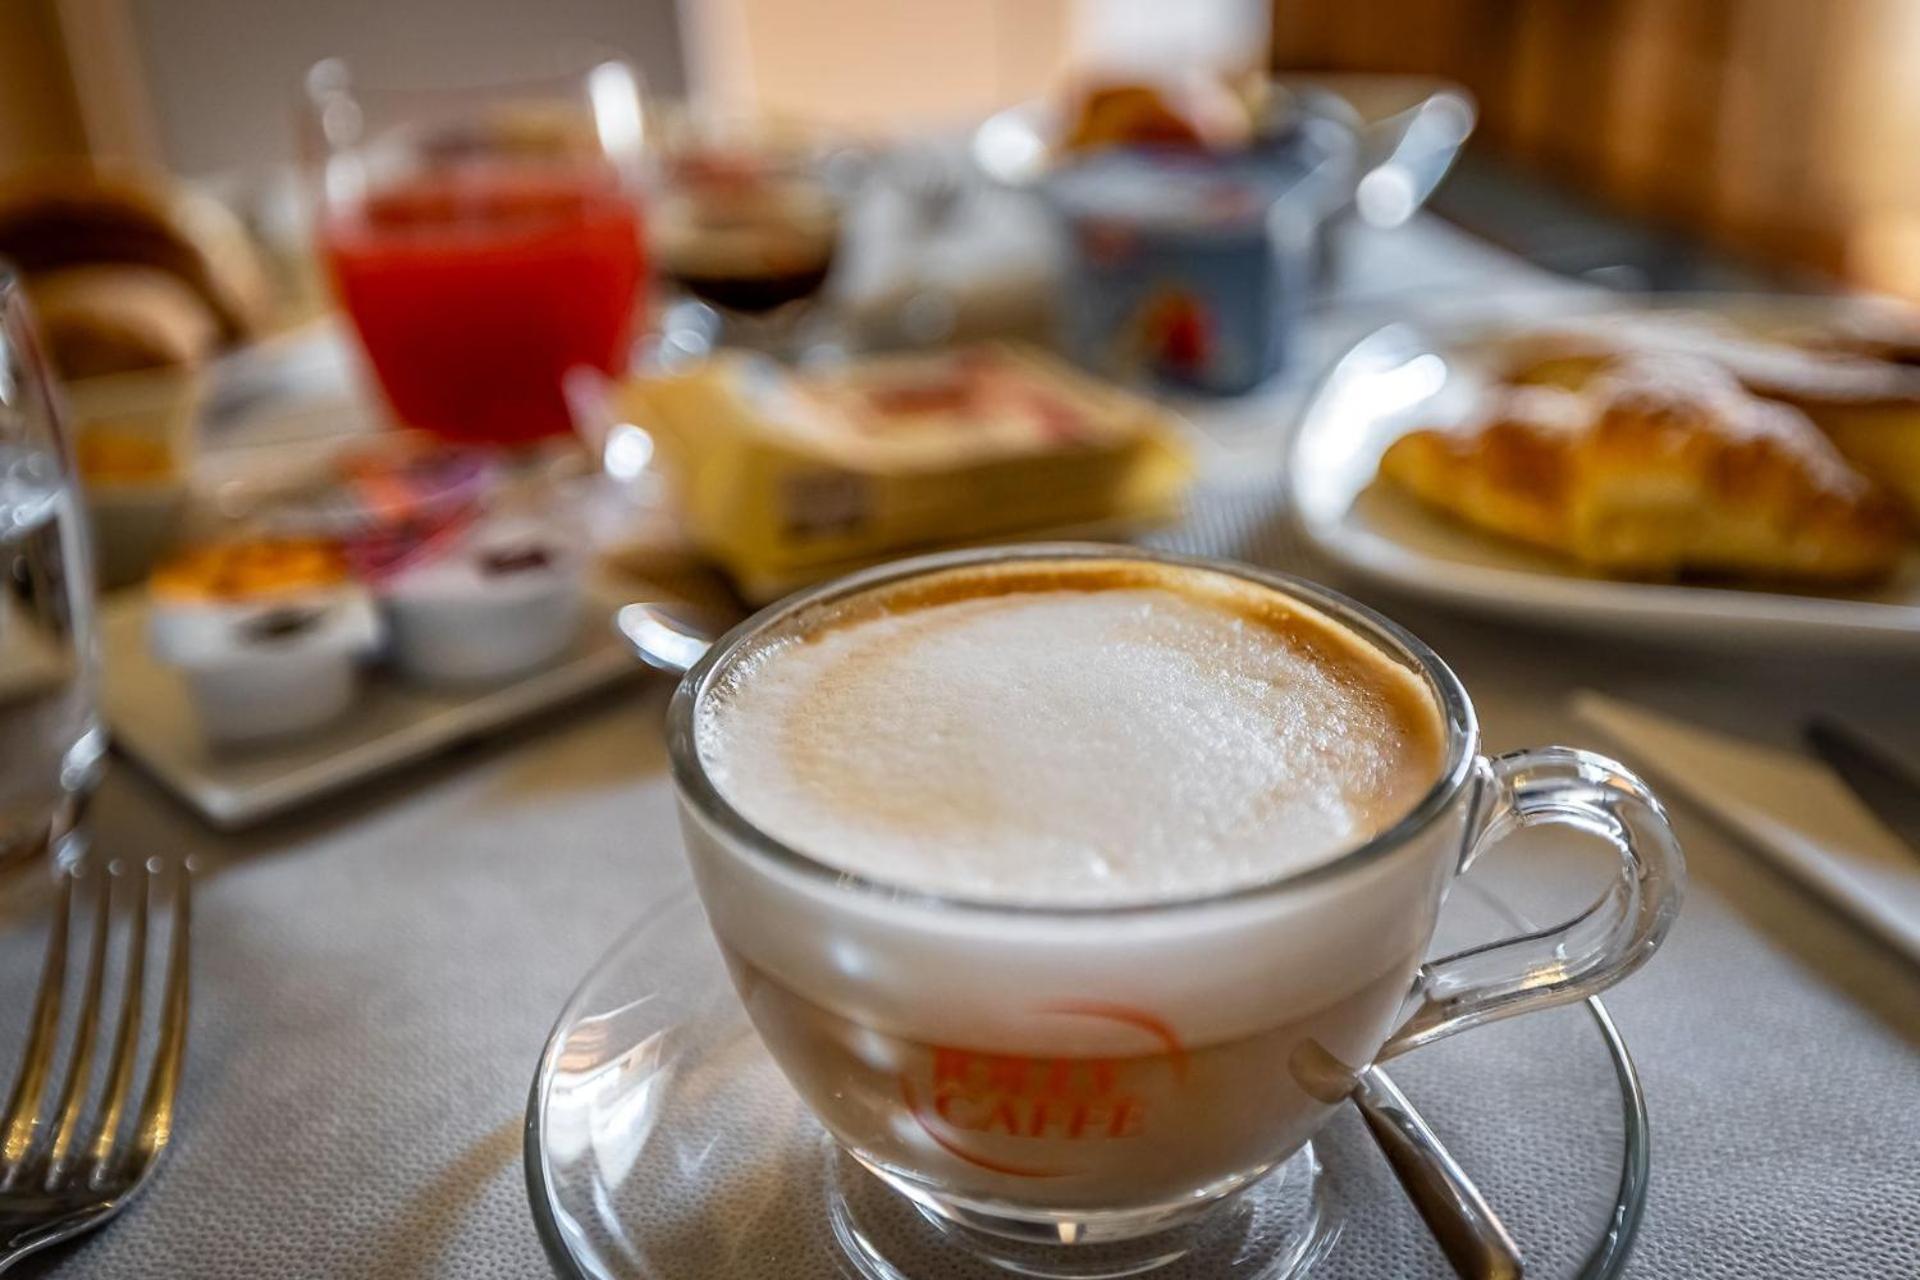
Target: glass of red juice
484	240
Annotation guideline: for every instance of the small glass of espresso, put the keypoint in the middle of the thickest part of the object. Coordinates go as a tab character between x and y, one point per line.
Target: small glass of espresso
747	226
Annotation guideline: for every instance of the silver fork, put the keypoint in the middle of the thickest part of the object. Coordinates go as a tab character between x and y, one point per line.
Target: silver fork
62	1175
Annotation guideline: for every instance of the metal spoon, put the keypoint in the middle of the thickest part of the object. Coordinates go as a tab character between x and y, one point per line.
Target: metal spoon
1469	1233
1464	1225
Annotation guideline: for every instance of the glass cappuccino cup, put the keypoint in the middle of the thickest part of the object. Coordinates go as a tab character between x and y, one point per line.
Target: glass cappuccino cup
874	777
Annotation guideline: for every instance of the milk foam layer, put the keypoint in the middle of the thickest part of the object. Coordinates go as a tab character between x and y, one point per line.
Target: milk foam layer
1084	734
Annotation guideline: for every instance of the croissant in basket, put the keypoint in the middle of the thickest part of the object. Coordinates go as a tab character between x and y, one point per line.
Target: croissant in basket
1660	467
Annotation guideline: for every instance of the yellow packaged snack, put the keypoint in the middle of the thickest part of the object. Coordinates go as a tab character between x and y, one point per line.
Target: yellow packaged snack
786	478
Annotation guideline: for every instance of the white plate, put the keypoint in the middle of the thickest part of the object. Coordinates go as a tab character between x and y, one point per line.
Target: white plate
390	723
1399	379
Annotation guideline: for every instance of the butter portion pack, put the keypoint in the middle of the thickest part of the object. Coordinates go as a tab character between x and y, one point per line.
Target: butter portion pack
786	478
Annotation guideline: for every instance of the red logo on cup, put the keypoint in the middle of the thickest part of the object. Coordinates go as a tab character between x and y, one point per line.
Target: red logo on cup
970	1096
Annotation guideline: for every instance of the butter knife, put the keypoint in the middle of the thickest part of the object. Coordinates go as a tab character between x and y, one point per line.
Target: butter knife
1883	783
1785	804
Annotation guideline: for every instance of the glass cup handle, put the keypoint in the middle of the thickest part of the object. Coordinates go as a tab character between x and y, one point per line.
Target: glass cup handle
1588	953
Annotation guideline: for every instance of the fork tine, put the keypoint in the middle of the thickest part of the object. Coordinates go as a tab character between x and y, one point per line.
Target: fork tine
73	1098
163	1080
126	1038
22	1116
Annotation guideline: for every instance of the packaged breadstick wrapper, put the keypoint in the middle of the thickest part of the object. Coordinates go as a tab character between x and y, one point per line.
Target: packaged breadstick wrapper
785	478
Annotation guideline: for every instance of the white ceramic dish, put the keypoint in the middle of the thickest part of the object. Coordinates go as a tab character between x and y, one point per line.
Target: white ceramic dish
1401	378
391	722
455	621
266	670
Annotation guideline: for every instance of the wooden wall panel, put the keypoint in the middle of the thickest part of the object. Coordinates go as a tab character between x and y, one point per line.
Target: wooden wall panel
1485	56
1785	128
1869	137
1667	103
1302	35
39	118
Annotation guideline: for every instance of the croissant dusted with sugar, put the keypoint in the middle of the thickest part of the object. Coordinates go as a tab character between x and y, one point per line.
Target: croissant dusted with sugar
1661	466
1864	396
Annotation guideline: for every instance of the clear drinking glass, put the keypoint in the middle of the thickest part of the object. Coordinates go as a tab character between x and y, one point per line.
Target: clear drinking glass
51	742
747	227
485	240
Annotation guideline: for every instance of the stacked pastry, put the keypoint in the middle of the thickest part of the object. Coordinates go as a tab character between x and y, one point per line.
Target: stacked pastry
128	273
1856	378
137	283
1671	446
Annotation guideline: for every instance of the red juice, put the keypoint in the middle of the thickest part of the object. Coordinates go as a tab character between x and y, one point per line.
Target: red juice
476	288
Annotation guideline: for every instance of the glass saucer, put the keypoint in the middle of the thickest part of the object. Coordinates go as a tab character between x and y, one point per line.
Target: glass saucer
663	1144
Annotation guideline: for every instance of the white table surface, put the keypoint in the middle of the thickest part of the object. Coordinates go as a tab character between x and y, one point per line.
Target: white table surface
373	981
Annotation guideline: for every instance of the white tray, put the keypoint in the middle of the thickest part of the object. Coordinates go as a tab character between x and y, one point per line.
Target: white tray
391	723
1400	379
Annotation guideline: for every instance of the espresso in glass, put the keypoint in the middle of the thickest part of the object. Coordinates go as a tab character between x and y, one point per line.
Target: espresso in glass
1056	782
747	221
